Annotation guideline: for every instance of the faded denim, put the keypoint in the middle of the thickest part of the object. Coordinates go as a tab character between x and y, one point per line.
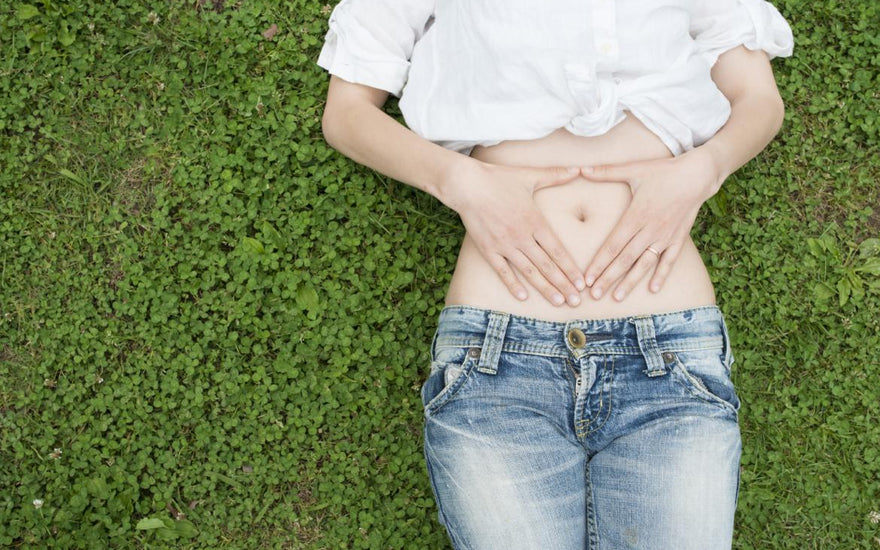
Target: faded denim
593	434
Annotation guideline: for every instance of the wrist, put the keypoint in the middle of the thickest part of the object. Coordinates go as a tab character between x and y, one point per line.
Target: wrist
708	160
455	179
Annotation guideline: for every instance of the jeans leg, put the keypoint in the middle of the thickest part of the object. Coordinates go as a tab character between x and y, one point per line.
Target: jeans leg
670	485
665	450
506	473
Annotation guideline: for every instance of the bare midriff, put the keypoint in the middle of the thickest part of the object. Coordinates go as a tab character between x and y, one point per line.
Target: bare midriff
582	214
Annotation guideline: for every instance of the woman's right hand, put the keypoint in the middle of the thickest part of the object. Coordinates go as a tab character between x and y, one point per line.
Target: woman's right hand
497	208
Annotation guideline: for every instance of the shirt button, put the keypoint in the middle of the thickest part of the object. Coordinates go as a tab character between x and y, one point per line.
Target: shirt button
577	338
606	48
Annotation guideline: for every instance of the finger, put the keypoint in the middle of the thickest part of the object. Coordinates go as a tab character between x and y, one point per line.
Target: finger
671	253
508	276
560	256
551	271
625	229
642	267
533	275
664	267
555	175
621	264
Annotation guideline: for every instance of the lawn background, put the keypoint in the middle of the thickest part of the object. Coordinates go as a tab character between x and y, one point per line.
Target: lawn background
214	327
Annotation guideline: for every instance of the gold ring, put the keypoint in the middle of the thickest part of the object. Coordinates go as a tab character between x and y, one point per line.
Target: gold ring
654	251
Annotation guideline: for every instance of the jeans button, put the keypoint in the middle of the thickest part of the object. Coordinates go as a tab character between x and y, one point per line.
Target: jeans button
577	338
474	353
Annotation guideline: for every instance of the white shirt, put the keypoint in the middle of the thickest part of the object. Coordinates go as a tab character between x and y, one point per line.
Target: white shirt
471	72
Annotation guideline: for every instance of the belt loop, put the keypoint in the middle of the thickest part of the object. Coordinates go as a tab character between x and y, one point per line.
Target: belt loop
493	342
434	343
728	353
648	344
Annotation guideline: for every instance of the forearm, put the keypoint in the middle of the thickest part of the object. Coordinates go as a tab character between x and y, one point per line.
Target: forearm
754	121
756	112
495	202
366	134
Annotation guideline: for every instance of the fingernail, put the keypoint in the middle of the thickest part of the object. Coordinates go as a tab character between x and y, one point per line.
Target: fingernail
587	169
558	299
579	284
521	295
590	280
573	170
655	287
618	295
597	293
574	299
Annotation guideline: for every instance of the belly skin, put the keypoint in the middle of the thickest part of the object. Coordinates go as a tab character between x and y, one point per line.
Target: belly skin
582	213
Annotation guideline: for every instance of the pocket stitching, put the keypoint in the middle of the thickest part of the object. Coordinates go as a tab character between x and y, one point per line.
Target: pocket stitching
697	387
450	389
450	373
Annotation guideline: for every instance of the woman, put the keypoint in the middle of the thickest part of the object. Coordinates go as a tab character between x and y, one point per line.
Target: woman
572	401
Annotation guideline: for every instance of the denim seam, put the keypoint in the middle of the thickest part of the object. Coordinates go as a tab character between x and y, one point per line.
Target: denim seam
590	426
574	374
441	516
509	347
592	529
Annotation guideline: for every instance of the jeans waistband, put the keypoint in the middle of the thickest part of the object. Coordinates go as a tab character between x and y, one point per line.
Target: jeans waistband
701	328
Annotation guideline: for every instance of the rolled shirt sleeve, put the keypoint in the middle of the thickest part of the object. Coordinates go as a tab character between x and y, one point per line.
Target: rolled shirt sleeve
370	42
721	25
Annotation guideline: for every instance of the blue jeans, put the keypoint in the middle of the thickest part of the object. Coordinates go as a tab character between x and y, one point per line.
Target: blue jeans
591	434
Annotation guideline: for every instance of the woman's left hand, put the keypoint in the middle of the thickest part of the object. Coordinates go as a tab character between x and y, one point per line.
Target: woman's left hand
668	193
666	196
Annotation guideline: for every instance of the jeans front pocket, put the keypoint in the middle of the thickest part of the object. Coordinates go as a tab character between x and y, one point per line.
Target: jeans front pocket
450	369
705	375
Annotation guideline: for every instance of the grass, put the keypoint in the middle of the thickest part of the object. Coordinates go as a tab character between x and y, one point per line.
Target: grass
214	327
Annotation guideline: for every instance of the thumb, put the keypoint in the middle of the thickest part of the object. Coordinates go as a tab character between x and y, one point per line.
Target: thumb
555	175
618	173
